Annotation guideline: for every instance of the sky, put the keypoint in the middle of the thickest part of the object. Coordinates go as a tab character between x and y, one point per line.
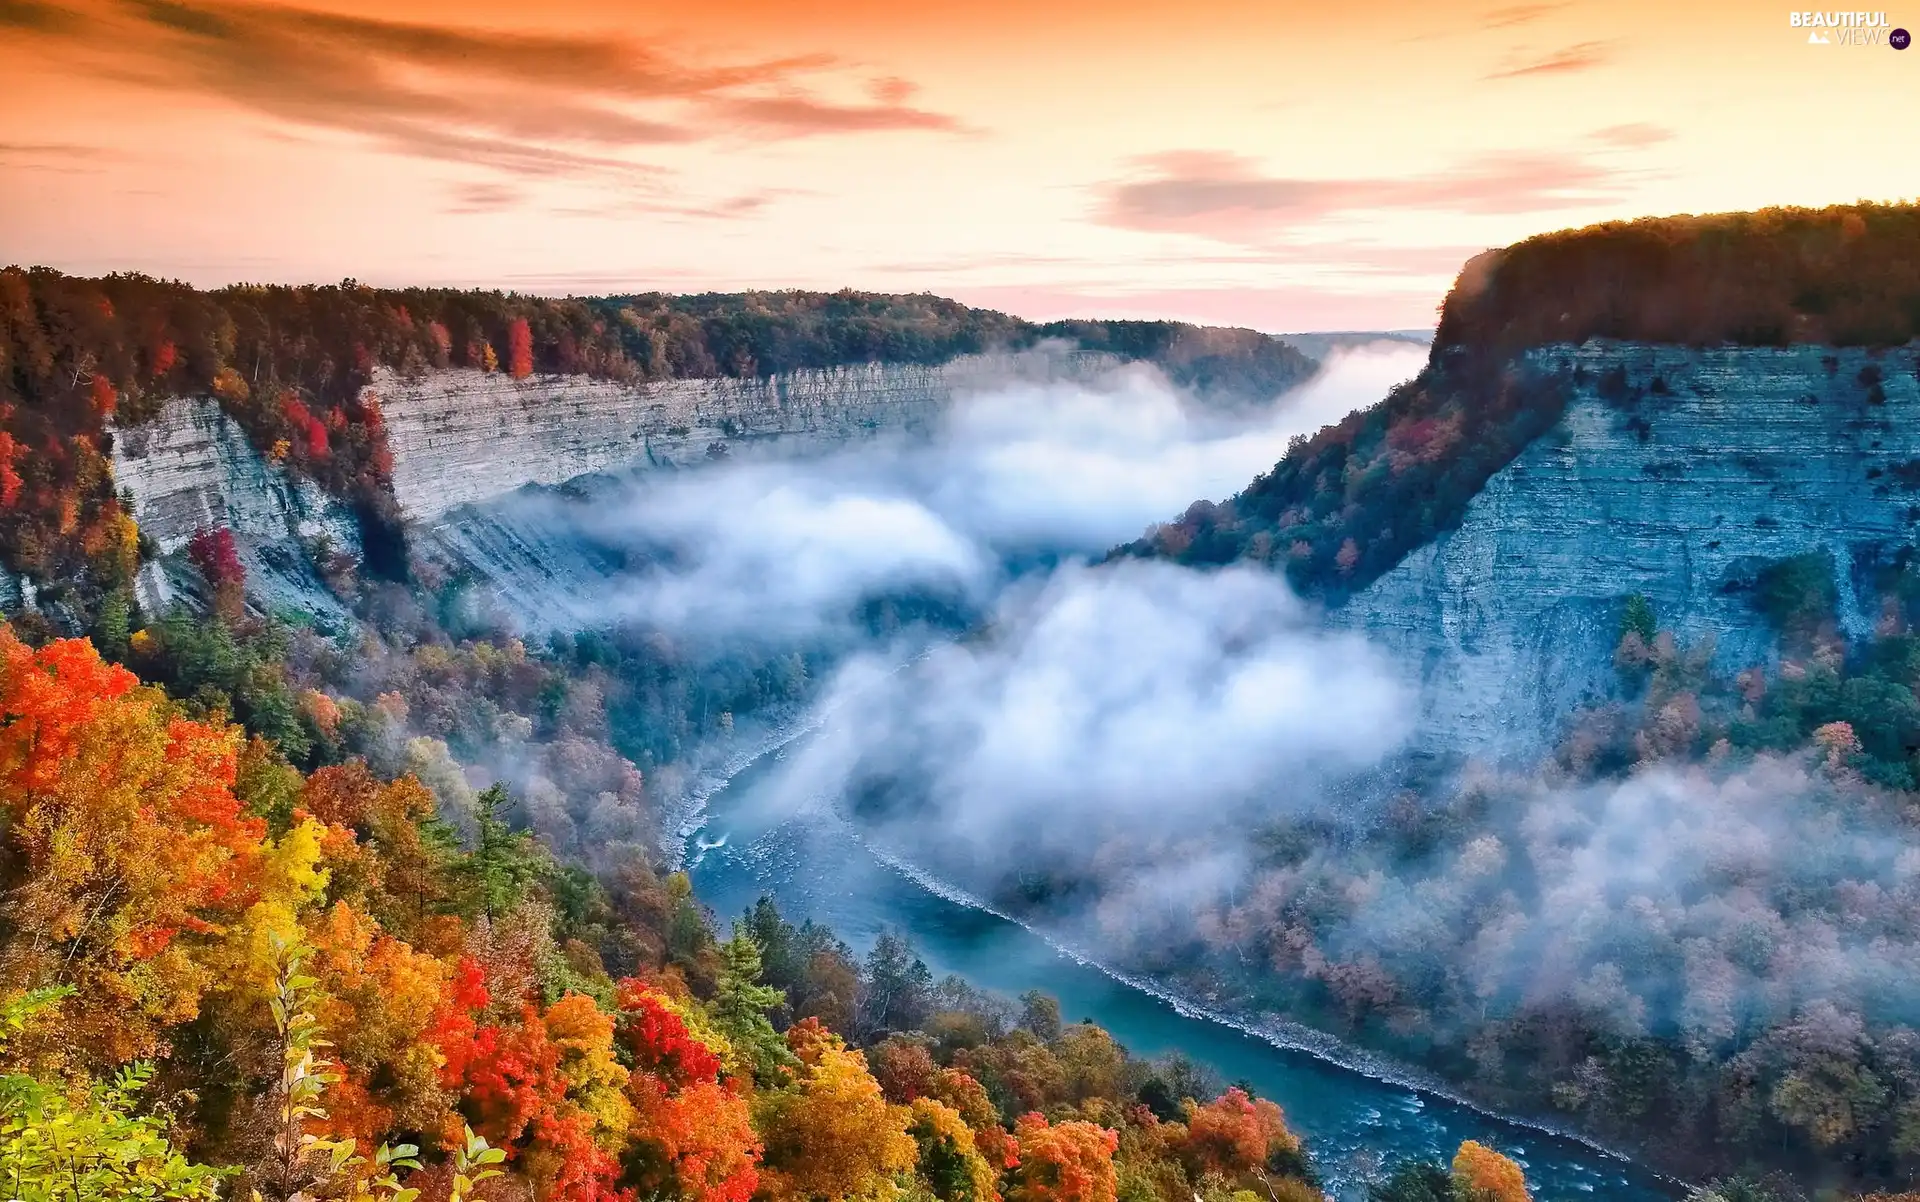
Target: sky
1249	162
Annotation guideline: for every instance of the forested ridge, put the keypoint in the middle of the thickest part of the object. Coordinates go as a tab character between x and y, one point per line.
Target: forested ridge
1692	928
79	357
1348	503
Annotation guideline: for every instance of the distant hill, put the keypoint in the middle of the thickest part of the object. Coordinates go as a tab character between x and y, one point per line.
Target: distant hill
82	357
1347	504
1320	344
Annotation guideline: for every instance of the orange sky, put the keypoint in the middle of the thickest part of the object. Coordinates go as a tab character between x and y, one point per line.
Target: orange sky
1270	164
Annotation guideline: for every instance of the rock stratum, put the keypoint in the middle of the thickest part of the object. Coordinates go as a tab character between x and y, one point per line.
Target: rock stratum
1485	522
462	437
1675	473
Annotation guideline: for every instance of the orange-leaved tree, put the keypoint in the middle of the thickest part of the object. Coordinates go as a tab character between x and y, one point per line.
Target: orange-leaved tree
1064	1162
1481	1174
692	1129
127	853
1237	1136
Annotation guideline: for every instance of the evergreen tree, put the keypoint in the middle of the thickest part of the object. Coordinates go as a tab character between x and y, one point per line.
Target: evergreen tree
740	1006
897	991
505	863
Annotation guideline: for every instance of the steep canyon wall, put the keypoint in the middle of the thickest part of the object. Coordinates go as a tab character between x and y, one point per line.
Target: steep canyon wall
462	437
1676	474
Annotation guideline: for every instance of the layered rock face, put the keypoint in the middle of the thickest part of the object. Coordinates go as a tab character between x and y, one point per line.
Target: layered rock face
1676	474
462	436
192	469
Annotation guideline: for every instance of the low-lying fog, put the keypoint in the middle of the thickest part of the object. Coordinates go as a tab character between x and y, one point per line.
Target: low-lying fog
776	548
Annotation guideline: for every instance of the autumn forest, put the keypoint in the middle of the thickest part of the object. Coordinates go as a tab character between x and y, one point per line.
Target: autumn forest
385	910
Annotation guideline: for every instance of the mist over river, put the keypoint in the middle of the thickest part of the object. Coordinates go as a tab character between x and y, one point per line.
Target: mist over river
816	865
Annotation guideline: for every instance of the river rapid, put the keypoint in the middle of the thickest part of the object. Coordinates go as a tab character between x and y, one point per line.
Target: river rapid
818	866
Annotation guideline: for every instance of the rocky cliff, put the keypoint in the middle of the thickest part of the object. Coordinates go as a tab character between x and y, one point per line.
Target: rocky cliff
192	468
1676	474
463	436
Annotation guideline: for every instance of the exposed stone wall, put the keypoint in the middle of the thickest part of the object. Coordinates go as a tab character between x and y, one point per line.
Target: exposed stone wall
461	437
192	468
466	435
1675	474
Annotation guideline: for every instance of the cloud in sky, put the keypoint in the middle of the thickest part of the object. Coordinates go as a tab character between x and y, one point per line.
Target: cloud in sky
1635	135
519	101
1581	56
1517	14
1226	196
35	16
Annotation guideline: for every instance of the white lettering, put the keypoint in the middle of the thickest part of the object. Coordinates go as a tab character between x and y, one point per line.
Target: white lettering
1793	19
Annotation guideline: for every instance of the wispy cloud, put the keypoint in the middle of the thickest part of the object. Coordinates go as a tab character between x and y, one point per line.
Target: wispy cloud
725	208
36	16
1216	194
1517	14
519	101
63	158
1635	136
797	115
1581	56
484	198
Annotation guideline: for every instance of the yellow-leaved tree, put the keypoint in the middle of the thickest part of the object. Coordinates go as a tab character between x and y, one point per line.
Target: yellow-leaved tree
832	1133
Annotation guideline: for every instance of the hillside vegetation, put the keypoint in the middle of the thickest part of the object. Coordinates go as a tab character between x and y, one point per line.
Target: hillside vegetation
290	364
1350	502
223	978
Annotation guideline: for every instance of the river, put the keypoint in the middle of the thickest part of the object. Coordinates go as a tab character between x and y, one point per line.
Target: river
818	867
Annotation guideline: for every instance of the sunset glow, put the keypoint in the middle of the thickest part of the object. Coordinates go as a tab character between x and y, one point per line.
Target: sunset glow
1272	164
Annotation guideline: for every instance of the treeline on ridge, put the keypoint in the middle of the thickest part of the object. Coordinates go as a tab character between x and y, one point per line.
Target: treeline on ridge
79	356
1347	504
221	977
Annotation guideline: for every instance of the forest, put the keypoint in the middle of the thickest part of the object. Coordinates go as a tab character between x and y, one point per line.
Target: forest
80	357
222	977
1347	504
1693	928
228	978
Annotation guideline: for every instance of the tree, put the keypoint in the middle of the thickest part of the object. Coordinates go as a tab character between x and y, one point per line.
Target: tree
1040	1013
519	349
968	1098
903	1066
832	1134
949	1160
897	987
1413	1181
505	862
740	1005
1240	1137
1065	1162
217	559
693	1133
125	846
59	1147
1481	1174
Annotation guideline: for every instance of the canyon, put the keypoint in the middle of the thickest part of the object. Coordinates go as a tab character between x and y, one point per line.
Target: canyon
1675	473
460	438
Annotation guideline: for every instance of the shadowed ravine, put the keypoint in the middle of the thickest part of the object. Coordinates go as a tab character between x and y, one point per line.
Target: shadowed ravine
817	866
